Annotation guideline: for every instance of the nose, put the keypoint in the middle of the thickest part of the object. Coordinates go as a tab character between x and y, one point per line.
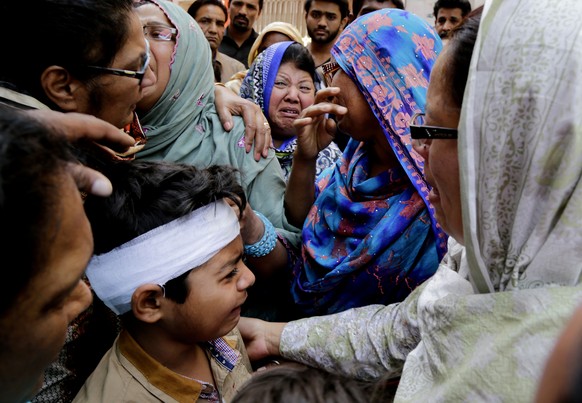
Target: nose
149	78
448	26
292	94
246	278
80	300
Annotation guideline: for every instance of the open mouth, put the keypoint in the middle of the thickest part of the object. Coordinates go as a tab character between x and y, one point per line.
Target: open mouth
290	112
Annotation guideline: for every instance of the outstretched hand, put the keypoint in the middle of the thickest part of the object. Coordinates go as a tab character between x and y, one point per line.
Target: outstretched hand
261	338
315	129
257	129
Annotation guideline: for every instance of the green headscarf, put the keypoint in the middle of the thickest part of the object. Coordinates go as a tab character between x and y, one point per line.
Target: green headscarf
183	126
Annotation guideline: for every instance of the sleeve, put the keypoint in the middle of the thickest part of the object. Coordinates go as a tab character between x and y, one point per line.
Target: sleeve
266	193
363	343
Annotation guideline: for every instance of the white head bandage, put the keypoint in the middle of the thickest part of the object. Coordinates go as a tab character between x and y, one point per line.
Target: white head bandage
162	254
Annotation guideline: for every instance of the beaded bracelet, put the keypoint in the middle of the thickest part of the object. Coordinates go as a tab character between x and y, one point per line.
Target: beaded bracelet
267	242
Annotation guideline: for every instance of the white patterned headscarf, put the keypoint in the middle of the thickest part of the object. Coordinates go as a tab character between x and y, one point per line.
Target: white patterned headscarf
520	142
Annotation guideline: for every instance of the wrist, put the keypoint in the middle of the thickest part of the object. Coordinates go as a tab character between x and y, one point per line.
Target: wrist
266	243
274	338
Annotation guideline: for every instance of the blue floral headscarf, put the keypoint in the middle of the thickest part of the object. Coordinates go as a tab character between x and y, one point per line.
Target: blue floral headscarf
374	239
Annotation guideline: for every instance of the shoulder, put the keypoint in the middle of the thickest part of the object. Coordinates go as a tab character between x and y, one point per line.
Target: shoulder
226	60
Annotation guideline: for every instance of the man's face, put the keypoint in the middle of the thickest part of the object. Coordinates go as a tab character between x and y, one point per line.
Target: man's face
211	20
243	14
324	22
446	20
374	5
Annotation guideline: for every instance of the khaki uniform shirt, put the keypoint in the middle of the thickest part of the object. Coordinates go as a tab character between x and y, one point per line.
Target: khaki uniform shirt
128	374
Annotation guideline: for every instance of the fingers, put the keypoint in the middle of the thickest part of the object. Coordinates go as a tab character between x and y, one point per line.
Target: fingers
326	94
78	126
257	130
256	126
90	181
323	108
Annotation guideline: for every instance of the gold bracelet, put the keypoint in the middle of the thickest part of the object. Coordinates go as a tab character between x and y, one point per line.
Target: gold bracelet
220	84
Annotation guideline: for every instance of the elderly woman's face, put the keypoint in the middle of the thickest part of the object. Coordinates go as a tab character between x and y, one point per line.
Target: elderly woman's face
293	91
441	165
359	123
161	54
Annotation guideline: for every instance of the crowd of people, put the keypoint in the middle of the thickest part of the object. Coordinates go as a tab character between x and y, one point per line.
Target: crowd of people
387	212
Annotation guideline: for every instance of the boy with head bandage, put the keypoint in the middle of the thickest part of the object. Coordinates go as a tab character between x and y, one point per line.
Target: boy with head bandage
169	262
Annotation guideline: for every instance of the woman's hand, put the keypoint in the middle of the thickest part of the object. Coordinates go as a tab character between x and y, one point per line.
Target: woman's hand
315	130
261	338
257	129
77	127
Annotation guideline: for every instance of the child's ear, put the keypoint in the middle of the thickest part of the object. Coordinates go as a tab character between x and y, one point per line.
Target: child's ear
61	88
146	303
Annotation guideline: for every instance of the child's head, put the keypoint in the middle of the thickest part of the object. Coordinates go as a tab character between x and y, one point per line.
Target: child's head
300	384
169	249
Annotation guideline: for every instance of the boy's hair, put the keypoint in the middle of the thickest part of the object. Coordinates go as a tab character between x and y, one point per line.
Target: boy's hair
149	194
343	5
295	383
194	7
32	163
464	5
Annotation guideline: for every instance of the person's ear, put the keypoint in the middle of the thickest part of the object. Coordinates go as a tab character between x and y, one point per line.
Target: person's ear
146	303
60	87
344	22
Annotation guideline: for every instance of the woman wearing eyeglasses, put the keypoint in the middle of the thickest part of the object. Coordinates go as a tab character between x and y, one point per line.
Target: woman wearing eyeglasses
369	234
482	328
182	123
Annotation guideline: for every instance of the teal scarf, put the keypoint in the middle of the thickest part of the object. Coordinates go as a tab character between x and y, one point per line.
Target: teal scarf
183	126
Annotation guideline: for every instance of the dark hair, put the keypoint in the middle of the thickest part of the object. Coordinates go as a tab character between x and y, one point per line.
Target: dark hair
358	4
459	50
464	5
296	384
260	4
68	33
148	194
32	166
194	7
343	6
301	58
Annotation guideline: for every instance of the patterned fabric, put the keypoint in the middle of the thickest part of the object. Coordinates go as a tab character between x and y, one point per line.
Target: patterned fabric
519	141
258	83
258	87
183	125
373	240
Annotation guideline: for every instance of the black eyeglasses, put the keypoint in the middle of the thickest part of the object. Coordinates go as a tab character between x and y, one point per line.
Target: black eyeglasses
422	133
128	73
329	70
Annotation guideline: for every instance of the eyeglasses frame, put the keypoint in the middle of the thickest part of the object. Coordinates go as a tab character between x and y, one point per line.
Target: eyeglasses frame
423	132
139	75
173	30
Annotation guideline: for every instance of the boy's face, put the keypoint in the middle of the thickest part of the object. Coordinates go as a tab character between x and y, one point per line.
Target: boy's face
217	289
